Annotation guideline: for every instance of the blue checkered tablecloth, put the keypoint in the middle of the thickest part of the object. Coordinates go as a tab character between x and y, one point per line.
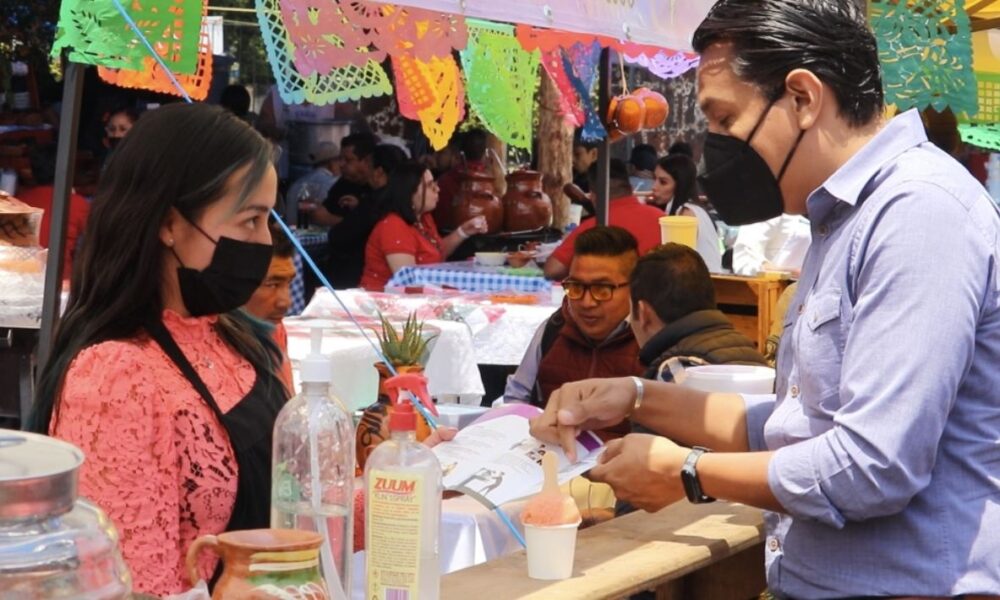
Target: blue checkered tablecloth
469	277
310	240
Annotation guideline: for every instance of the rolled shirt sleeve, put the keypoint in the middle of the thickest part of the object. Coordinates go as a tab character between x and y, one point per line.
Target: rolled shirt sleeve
917	286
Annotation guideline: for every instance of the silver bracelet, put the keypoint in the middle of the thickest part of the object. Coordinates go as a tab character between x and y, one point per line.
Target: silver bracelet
640	390
462	234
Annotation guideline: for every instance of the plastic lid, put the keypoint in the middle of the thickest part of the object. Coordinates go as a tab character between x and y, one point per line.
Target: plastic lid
315	368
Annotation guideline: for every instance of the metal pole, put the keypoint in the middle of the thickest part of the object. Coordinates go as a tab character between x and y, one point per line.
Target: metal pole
604	150
69	120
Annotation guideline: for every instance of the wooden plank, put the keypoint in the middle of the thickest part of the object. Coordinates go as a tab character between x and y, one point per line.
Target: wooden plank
740	291
636	552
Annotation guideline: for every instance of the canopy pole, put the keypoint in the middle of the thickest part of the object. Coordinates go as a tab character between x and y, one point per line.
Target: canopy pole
69	120
604	150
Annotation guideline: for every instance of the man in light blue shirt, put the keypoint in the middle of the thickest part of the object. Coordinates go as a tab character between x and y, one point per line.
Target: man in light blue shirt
878	458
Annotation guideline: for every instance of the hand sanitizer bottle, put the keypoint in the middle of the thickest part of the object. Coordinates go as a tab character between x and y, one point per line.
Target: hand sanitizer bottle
403	505
312	481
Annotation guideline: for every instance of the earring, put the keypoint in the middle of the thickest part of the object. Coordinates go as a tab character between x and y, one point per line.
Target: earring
170	243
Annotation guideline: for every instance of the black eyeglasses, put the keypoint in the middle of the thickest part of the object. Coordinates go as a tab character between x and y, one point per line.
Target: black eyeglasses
600	292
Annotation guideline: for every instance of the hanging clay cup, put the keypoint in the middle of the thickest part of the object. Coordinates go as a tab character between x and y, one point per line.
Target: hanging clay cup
525	206
477	197
373	429
263	564
626	115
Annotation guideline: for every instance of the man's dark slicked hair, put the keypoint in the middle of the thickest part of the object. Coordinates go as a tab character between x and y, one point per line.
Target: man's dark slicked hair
830	38
281	246
674	280
605	241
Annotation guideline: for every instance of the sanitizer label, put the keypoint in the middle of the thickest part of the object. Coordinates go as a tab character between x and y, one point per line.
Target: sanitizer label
393	535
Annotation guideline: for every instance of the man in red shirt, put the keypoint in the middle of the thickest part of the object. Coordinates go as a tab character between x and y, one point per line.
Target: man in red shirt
43	169
625	211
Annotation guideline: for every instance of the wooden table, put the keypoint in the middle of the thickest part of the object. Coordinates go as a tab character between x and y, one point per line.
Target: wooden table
749	303
703	552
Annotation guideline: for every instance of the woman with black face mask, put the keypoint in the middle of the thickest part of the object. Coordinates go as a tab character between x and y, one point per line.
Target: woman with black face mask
169	391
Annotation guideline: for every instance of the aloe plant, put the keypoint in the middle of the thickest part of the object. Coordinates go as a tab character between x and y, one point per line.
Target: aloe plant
406	348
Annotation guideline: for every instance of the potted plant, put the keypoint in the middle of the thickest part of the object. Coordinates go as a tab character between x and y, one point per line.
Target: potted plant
407	350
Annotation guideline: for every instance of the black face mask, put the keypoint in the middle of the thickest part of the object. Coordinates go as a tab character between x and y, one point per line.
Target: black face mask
236	271
738	182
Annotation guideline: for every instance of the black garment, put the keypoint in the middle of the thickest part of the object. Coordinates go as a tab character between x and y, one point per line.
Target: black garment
706	335
344	187
249	425
347	240
582	181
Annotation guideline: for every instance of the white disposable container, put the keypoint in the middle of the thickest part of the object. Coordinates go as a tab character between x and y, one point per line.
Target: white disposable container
741	379
551	551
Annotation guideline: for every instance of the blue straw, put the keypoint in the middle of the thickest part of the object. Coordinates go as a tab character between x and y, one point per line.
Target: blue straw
510	525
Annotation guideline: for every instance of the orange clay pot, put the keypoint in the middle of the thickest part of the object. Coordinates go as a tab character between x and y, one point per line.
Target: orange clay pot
657	108
626	114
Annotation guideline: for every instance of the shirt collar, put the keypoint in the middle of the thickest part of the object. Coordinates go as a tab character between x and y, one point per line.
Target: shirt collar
899	135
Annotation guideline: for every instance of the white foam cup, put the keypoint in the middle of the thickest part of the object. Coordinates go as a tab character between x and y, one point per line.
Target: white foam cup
551	550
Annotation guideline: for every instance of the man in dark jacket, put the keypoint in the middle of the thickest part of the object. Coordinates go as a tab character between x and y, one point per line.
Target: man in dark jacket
674	315
588	336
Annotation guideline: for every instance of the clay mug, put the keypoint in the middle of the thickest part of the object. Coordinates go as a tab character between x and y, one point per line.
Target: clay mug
263	564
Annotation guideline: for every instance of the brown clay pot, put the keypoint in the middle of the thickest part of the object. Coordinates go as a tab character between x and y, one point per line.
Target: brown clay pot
373	429
525	206
477	197
290	567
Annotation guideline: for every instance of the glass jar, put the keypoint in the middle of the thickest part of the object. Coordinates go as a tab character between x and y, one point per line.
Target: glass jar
53	545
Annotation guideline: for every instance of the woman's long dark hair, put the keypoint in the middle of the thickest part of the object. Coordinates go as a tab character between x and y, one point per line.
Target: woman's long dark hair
684	172
397	196
179	156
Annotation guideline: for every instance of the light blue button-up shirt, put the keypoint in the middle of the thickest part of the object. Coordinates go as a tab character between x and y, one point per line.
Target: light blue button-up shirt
886	427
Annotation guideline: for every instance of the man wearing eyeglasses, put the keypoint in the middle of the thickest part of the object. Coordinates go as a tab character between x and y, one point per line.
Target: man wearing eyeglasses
589	336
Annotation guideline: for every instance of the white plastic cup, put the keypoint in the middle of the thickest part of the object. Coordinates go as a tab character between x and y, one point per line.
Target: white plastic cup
551	551
679	229
739	379
575	215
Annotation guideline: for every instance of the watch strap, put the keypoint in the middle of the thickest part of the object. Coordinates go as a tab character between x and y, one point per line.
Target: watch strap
689	477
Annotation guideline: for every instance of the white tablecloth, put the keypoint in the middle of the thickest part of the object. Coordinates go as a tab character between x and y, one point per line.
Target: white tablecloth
451	368
470	535
500	332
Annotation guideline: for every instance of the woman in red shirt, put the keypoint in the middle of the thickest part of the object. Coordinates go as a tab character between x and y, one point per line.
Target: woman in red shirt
406	234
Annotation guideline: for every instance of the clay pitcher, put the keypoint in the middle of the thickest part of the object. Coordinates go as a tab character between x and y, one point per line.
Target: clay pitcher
263	564
373	429
477	196
525	206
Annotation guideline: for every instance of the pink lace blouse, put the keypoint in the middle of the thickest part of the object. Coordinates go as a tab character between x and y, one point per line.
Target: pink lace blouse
157	460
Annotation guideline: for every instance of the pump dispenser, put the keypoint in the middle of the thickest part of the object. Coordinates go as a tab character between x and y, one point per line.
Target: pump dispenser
403	504
312	484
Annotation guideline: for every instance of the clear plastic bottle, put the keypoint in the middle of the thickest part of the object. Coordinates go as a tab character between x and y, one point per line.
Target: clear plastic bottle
312	485
403	506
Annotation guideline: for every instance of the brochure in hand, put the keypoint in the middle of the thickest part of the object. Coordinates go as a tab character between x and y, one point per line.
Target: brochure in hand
495	459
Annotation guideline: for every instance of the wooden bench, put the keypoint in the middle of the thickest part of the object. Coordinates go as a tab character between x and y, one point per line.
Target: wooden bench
698	552
749	303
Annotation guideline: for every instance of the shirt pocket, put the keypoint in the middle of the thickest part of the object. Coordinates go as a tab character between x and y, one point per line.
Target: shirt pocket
820	351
